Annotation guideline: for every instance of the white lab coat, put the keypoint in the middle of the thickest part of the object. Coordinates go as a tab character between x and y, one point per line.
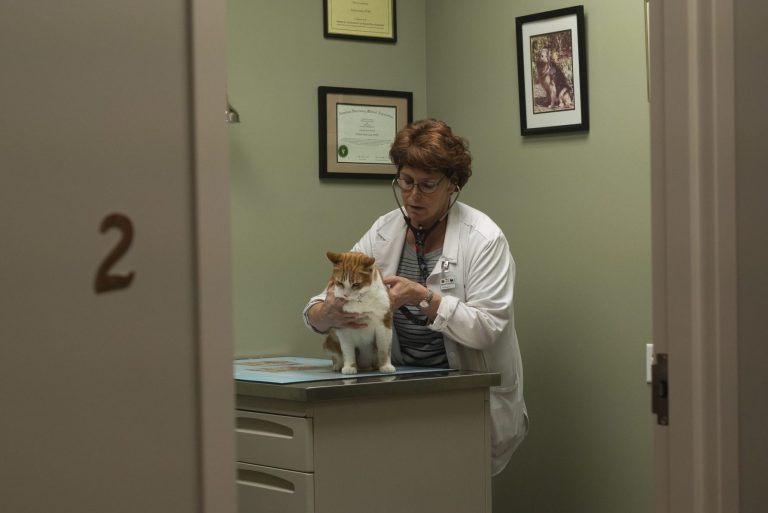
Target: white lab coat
475	317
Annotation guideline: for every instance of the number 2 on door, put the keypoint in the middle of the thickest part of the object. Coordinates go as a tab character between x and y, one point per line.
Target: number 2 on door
105	281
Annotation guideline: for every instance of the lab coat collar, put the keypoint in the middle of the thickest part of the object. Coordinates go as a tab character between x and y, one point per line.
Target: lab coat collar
451	242
390	238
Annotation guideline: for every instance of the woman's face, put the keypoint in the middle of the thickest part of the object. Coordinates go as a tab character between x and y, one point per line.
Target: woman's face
425	209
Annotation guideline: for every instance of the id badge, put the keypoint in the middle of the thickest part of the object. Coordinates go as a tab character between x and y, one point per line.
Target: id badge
447	279
447	282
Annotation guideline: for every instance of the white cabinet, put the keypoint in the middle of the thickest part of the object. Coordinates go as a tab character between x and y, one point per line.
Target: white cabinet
275	440
275	470
269	489
413	445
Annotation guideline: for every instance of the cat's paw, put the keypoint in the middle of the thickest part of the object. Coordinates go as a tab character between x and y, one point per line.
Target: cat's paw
348	369
388	368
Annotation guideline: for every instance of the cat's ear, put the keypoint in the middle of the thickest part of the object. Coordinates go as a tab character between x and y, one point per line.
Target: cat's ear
367	261
335	258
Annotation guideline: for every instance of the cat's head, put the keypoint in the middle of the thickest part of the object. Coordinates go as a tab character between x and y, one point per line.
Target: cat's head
352	274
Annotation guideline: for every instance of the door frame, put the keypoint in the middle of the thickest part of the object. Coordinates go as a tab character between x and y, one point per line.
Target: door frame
693	171
213	266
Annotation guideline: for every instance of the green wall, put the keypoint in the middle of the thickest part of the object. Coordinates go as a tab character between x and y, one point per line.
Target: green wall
284	218
575	208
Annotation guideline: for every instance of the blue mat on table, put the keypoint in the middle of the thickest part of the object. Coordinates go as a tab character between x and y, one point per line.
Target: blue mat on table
294	369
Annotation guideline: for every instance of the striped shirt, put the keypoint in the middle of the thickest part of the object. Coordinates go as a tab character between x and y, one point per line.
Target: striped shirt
419	345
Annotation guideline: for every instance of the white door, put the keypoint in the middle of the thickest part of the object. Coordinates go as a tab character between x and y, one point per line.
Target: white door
115	357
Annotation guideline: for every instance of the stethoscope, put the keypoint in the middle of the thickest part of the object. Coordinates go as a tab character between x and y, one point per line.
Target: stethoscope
420	234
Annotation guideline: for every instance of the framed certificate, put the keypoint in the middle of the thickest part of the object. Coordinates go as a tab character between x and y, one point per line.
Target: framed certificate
552	71
370	20
357	128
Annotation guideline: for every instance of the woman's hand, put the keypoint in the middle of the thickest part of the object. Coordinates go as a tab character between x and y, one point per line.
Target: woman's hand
404	291
330	314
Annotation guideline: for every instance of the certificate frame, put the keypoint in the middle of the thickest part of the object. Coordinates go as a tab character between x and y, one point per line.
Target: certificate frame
552	71
356	129
362	20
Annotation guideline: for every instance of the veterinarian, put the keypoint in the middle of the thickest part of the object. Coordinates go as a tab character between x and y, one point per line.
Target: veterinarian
450	275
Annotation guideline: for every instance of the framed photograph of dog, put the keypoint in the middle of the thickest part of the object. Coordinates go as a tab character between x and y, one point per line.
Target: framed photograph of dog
552	71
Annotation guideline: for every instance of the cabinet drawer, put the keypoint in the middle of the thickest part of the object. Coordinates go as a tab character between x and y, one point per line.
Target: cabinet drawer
274	440
264	489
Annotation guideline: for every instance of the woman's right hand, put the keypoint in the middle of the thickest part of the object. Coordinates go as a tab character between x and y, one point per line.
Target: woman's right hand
330	314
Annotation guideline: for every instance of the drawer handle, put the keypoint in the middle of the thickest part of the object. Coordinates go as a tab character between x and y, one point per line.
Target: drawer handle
266	481
263	428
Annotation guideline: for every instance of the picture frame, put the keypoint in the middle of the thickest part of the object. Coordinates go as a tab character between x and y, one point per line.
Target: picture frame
552	71
362	20
356	129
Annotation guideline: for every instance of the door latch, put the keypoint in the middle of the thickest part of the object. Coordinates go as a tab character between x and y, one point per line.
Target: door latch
660	389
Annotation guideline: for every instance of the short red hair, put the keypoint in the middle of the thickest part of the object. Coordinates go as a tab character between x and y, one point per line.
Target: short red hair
430	145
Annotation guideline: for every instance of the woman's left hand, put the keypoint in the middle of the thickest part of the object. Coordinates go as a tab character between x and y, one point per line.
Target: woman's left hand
404	291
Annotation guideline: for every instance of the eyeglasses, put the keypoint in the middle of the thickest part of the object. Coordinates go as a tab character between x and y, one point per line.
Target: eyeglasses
425	187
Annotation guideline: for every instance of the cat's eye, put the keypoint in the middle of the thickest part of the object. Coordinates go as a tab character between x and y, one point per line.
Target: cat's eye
356	285
339	284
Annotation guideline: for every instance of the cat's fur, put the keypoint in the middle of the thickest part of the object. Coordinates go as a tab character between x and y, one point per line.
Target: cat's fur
358	280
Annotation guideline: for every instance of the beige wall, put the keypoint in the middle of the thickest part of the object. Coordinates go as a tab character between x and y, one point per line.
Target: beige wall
575	208
104	397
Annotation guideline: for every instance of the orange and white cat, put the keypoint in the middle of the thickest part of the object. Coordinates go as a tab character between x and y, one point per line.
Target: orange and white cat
358	280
